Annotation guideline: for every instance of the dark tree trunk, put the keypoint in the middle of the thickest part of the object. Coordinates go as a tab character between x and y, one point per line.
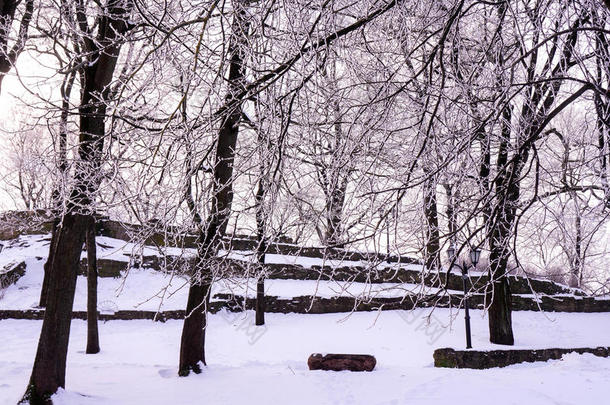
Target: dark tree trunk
66	90
260	301
93	339
500	309
433	247
484	183
451	214
336	177
499	297
507	194
576	271
336	200
44	291
192	344
192	347
602	104
48	373
261	249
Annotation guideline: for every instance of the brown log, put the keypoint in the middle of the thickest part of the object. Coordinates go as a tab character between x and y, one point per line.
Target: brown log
340	362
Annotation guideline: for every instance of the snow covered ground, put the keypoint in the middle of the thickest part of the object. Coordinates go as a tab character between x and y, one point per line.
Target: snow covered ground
262	365
150	290
267	365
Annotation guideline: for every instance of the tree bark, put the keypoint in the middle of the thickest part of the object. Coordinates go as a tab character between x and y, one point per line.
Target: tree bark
433	247
500	310
49	371
261	249
507	194
260	301
44	291
66	91
93	339
336	177
192	344
336	200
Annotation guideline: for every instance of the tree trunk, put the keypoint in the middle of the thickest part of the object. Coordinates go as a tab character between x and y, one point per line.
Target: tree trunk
507	194
49	371
260	301
576	262
433	247
336	200
66	90
261	249
500	317
192	347
484	174
500	310
44	291
337	179
451	214
93	339
192	344
602	105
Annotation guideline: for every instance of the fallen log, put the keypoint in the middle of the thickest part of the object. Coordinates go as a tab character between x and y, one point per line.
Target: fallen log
340	362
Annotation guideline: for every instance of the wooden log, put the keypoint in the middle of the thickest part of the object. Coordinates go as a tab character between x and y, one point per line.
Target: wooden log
340	362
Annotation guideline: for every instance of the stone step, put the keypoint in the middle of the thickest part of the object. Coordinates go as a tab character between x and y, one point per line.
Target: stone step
319	305
149	235
451	281
236	268
316	305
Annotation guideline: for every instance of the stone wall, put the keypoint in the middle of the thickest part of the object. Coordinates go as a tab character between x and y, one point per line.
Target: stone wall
15	223
501	358
174	237
451	281
119	315
308	304
321	305
11	273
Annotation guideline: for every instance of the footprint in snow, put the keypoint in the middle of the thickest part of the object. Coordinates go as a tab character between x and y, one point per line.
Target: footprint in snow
167	373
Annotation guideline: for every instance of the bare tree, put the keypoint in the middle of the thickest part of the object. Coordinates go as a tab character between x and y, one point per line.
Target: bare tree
101	50
192	343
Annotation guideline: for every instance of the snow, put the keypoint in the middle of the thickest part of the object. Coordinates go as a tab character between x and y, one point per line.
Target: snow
261	365
150	290
145	289
309	262
267	364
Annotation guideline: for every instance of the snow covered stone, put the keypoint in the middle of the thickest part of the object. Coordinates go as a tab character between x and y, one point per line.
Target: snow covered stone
483	359
340	362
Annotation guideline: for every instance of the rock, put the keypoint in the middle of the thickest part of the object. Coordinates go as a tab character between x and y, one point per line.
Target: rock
105	267
11	273
340	362
501	358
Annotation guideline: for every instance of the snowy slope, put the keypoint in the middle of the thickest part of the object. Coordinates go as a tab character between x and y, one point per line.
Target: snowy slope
145	289
263	365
